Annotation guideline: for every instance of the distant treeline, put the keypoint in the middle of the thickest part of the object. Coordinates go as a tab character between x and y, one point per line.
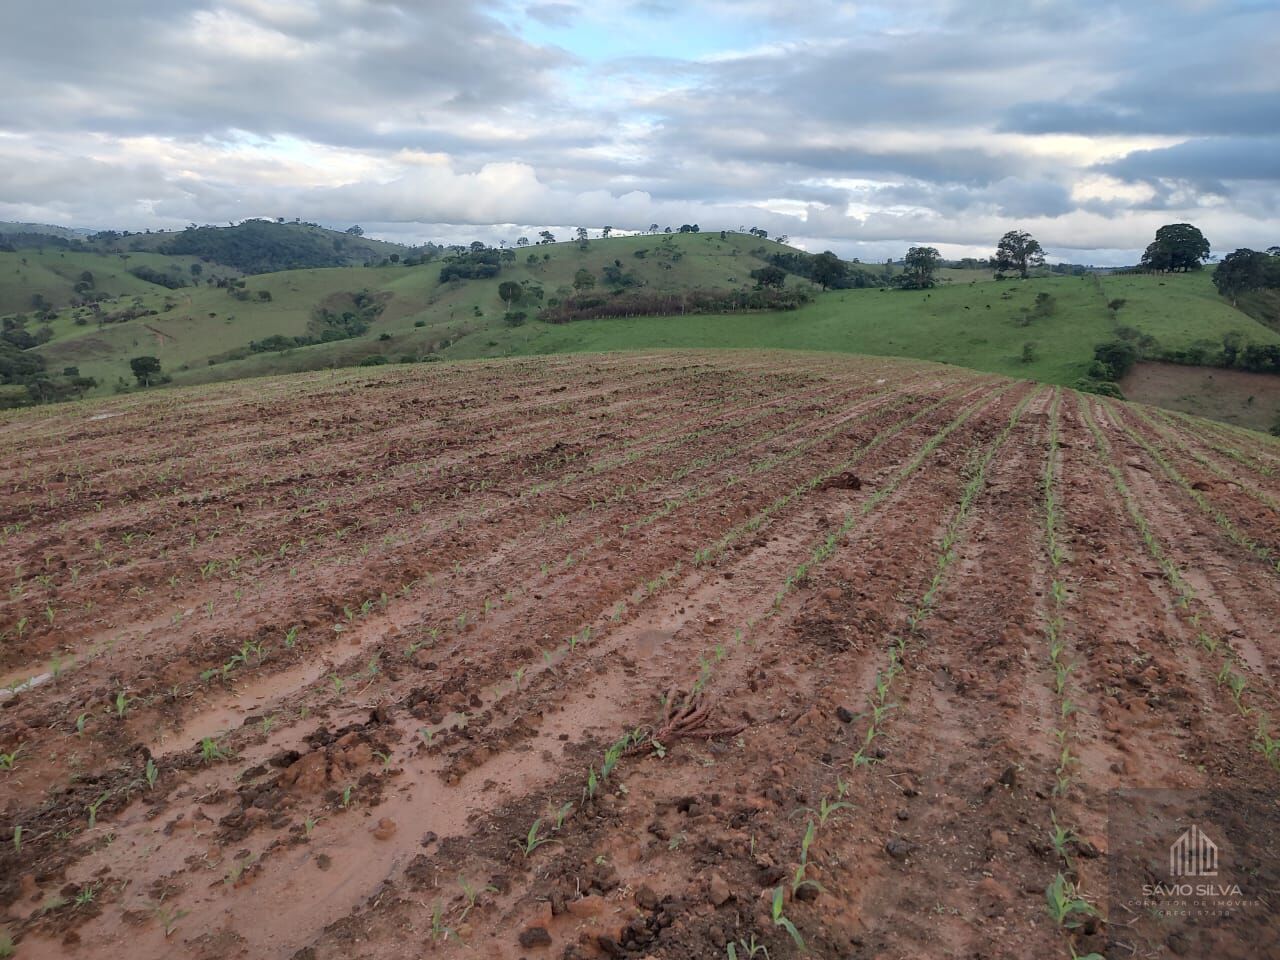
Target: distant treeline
639	304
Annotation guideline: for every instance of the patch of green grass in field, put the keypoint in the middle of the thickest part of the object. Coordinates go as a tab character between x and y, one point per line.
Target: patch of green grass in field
978	325
1179	309
53	274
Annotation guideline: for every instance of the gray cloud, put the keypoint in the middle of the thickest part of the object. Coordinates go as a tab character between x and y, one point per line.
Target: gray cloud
851	126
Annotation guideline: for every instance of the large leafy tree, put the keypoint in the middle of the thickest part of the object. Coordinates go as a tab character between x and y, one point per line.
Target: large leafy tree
146	370
919	265
1177	247
1239	272
510	292
828	269
1018	250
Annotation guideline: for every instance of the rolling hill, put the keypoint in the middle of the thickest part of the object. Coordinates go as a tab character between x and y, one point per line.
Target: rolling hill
1045	328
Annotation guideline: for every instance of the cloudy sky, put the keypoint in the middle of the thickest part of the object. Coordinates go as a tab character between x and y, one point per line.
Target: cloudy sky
859	127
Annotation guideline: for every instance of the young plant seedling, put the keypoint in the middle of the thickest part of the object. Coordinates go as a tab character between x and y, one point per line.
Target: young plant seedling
532	841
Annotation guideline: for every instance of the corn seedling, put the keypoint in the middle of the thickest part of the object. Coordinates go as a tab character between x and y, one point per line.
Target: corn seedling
168	918
210	750
532	841
87	894
17	838
471	894
1060	837
780	919
92	810
9	760
346	797
438	930
151	773
1065	906
122	703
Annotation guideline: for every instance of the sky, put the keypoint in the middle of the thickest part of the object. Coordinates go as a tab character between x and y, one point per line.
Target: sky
863	128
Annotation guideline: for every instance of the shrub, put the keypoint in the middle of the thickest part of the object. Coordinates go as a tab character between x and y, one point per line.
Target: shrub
1103	388
1117	357
374	360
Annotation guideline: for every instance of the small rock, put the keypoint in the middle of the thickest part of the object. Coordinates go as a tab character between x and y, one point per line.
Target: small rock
844	715
586	907
897	848
1010	776
535	937
718	891
999	839
385	829
903	814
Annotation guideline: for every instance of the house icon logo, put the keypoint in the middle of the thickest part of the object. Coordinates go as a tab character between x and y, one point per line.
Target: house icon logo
1193	855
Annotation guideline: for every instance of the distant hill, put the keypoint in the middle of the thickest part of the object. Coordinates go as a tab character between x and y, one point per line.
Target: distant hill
259	246
48	229
207	315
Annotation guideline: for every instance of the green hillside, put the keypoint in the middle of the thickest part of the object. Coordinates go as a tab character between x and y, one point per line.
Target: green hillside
53	274
1044	328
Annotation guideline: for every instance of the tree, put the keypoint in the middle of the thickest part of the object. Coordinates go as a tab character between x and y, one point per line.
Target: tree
356	230
769	277
546	236
606	233
918	267
145	370
582	235
1177	246
1239	272
828	269
522	242
196	269
583	280
653	228
510	293
1018	250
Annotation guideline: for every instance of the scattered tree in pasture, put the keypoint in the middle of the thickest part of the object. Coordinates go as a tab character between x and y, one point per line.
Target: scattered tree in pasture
1017	250
1177	247
146	370
919	266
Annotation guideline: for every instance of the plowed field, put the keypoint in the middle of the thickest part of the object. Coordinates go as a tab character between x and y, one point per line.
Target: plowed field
615	656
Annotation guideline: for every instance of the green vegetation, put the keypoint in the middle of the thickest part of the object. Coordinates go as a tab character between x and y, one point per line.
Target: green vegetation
82	307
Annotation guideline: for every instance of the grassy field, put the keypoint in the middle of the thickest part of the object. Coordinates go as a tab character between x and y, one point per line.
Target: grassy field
52	274
968	321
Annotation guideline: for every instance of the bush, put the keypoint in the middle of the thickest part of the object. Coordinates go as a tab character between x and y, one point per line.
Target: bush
384	336
375	360
1117	357
516	318
419	323
1103	388
594	306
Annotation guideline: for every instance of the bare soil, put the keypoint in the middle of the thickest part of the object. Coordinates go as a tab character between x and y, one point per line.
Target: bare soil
592	656
1233	396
